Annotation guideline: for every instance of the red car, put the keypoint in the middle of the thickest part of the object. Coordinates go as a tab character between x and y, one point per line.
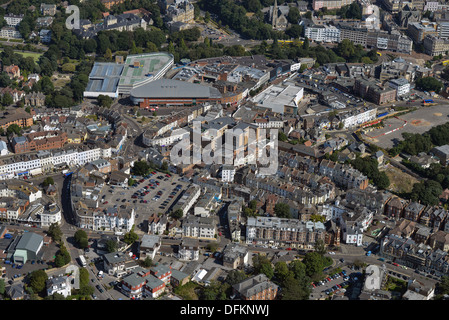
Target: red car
289	249
395	264
167	175
153	172
105	202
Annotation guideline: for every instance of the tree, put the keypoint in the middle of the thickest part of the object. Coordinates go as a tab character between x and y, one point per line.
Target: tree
68	67
442	288
55	296
282	210
177	214
235	276
295	290
164	166
212	246
429	84
14	129
426	192
346	48
111	245
320	247
38	280
48	181
7	99
81	239
261	264
131	236
54	231
104	101
108	54
131	182
215	291
298	269
207	17
2	286
293	15
282	136
141	168
62	257
313	264
281	272
148	262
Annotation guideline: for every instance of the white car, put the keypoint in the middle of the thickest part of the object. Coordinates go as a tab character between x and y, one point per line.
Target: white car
331	252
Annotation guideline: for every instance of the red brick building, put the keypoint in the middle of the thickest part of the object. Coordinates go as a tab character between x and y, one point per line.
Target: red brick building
43	140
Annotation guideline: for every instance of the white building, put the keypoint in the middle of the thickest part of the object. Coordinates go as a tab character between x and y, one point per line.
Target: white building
227	173
13	20
149	246
431	6
61	285
168	138
358	117
10	32
353	235
188	199
198	227
189	250
323	33
401	85
51	215
280	99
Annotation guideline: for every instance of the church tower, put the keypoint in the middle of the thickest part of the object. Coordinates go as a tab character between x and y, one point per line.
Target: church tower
274	15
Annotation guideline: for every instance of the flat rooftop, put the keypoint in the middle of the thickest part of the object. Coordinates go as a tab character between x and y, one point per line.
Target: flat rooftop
149	65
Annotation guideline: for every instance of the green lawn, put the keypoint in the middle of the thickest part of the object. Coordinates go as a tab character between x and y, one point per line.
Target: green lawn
35	55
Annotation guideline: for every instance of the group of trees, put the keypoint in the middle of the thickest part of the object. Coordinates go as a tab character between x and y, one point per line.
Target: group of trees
414	143
81	239
369	167
293	278
346	51
428	191
352	11
429	84
234	15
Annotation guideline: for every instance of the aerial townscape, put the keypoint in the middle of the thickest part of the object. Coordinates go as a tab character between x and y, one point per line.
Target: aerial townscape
224	150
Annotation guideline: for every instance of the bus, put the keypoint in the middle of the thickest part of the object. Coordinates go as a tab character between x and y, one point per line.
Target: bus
428	102
83	261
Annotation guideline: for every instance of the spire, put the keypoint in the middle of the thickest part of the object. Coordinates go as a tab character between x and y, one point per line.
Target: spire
274	14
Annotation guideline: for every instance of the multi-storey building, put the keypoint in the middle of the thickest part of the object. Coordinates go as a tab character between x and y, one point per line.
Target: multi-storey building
188	199
434	46
13	20
373	92
36	141
283	232
10	32
402	86
330	4
256	288
198	227
323	33
419	30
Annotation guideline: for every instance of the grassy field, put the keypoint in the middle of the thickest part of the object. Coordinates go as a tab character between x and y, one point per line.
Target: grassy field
35	55
400	181
187	291
60	81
